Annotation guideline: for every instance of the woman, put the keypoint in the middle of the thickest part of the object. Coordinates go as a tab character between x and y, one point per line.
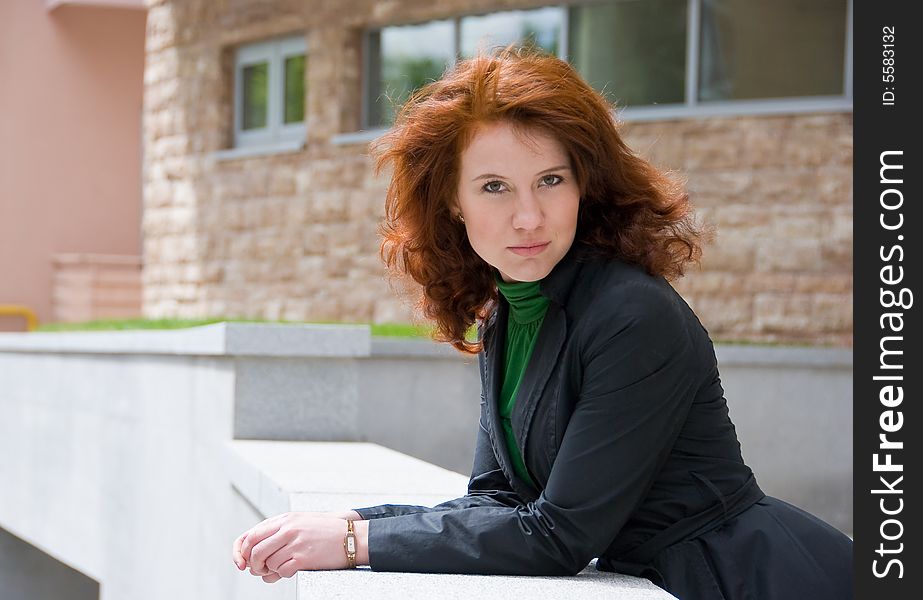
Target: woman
604	431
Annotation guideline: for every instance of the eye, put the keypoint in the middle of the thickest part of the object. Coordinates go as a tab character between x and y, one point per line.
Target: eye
551	180
493	187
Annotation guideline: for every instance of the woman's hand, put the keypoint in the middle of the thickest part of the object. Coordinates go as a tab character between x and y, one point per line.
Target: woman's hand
285	544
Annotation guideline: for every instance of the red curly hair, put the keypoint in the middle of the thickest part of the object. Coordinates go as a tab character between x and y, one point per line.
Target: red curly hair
628	208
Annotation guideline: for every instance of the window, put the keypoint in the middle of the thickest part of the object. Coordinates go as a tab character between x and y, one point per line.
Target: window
768	50
406	57
542	27
403	59
654	58
633	52
269	93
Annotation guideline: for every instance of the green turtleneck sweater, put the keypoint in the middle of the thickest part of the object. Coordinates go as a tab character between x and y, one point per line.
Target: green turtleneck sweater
527	311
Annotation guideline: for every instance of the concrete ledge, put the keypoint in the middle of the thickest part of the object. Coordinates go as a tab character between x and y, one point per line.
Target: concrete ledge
333	340
277	477
590	584
220	339
733	355
397	348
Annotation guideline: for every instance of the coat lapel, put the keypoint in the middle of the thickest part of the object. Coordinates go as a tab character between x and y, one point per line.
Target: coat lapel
495	350
551	337
548	346
494	347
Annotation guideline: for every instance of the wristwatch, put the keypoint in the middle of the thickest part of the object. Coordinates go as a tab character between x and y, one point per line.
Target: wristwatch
349	544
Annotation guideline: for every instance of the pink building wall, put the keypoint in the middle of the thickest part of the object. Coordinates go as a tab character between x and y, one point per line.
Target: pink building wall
71	85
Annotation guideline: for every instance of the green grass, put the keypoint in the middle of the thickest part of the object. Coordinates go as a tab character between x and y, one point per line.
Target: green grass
400	330
111	325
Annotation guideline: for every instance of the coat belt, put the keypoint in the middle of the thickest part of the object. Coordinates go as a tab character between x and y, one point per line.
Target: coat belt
695	525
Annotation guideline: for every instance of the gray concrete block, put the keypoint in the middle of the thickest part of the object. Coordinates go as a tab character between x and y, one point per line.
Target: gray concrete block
117	469
795	429
27	573
296	399
425	405
314	340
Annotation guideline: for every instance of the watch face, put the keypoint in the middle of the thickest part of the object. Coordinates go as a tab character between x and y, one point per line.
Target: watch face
350	545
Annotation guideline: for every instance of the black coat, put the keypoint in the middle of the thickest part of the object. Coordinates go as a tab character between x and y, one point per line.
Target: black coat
622	423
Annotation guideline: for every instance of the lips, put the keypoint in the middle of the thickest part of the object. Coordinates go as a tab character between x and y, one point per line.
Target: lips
529	249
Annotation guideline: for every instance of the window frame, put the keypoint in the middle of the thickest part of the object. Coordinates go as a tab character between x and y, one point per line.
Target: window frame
273	52
691	107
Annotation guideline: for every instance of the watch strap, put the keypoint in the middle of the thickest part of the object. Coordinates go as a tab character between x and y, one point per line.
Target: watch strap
349	545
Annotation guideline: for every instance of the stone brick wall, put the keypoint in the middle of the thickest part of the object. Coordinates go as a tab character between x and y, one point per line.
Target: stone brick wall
96	286
779	191
293	236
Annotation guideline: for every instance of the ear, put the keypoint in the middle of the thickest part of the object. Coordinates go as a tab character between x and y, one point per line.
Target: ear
455	211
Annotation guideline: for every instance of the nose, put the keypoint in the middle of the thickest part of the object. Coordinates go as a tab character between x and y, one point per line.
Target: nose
527	211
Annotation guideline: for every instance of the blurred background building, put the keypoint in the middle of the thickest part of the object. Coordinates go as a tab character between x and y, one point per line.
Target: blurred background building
258	193
71	92
250	155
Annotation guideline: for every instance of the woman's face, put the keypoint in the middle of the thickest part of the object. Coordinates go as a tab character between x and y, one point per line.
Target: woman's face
519	199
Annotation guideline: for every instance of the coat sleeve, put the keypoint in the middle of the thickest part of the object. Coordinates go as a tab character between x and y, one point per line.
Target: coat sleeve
488	485
637	386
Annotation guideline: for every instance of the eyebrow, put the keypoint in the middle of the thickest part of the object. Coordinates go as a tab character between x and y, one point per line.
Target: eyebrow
494	175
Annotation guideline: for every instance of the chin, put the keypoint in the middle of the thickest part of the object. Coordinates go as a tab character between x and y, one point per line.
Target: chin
525	274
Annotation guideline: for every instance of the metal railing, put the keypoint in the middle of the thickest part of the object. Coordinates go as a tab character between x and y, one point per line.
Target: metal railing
18	310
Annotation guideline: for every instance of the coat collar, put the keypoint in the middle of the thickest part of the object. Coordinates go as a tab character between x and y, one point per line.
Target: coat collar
556	287
559	283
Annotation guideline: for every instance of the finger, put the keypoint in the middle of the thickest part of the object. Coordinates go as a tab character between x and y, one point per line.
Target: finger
235	554
272	578
256	535
288	568
260	572
279	558
265	549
